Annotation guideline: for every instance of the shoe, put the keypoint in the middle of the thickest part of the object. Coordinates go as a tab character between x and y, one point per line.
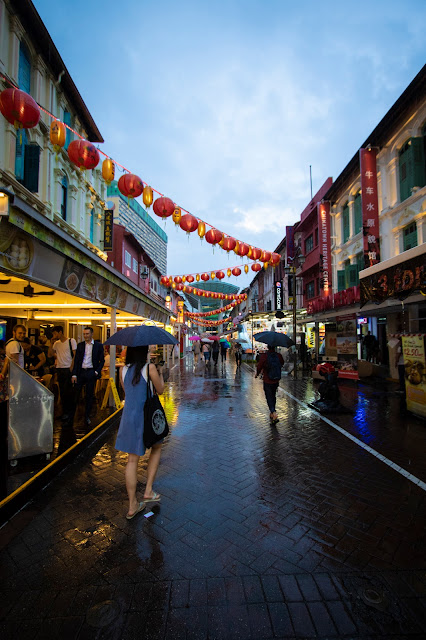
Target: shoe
88	422
140	508
155	498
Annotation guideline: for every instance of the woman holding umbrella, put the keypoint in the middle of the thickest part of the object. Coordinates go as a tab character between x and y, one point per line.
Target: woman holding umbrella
134	380
270	364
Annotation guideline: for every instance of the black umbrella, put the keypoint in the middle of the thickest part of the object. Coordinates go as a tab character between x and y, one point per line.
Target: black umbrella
141	336
274	339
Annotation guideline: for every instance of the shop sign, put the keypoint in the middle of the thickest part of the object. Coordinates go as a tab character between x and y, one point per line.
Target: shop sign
278	296
346	345
325	253
398	281
341	299
289	235
108	229
370	207
413	348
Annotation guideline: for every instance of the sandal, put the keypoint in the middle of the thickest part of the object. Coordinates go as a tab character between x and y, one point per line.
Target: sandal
155	498
140	508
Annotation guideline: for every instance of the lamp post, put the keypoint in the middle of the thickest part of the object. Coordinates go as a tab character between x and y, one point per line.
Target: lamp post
252	347
291	270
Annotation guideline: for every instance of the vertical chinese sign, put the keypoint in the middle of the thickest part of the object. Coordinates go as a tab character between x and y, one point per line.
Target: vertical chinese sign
413	348
370	207
325	248
108	229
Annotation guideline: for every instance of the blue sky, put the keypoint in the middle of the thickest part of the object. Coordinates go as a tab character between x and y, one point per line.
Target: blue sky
223	106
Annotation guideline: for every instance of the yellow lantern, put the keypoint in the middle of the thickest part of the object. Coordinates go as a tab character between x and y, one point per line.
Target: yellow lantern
108	170
220	243
246	268
183	278
228	273
212	275
177	214
250	252
58	135
201	229
173	285
237	246
197	277
147	196
265	265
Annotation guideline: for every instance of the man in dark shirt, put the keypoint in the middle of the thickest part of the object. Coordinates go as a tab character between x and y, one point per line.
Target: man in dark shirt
270	385
34	357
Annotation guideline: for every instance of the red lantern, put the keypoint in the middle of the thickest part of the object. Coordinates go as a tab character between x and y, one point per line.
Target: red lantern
190	278
178	279
19	108
164	207
256	266
213	236
179	287
130	185
229	243
275	258
236	271
266	256
164	280
189	289
205	277
256	253
188	223
83	154
220	275
243	249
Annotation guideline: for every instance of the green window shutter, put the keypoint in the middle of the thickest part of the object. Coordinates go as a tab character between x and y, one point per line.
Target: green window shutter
21	142
418	161
410	236
358	212
404	189
67	120
31	167
341	280
360	261
345	223
352	275
411	167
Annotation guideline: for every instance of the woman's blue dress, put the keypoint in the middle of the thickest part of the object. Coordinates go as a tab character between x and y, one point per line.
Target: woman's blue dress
130	432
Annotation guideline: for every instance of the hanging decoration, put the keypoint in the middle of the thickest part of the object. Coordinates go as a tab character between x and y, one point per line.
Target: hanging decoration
188	223
205	277
255	253
130	185
256	266
177	215
243	249
220	275
163	207
213	236
229	243
190	279
19	108
201	229
246	268
147	196
236	271
228	273
275	259
108	170
83	154
57	135
265	256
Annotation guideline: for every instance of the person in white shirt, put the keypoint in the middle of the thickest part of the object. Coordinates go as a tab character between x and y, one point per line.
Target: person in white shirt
63	349
14	349
88	364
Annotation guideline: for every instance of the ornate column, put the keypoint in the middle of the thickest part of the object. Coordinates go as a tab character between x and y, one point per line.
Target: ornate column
16	32
420	229
72	205
58	175
351	218
392	175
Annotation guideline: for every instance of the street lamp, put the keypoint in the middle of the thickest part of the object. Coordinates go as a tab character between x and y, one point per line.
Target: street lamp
291	270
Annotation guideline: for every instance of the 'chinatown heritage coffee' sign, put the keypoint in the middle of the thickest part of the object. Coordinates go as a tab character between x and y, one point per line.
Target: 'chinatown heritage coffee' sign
278	295
370	207
398	281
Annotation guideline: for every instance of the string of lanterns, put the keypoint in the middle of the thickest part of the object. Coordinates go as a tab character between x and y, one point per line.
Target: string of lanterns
21	110
203	293
205	314
208	323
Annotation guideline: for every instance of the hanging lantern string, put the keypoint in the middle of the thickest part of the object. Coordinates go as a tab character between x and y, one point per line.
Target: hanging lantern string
12	84
224	269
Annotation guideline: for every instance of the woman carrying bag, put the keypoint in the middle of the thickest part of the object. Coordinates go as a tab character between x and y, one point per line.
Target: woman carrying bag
130	437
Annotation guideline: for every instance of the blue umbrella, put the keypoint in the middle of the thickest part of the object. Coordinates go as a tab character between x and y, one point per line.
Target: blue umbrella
141	336
274	339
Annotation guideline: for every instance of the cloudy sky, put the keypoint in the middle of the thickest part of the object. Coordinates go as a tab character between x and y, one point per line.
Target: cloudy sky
222	106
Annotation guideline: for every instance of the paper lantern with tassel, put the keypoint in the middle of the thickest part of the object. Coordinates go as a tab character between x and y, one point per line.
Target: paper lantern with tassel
83	154
108	170
177	215
189	223
190	278
201	229
147	196
236	271
256	266
205	277
228	273
266	256
220	275
19	108
58	135
213	236
255	253
163	207
178	279
229	244
275	259
246	268
130	185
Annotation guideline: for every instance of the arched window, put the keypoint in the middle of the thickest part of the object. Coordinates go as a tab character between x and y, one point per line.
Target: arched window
64	198
345	222
358	212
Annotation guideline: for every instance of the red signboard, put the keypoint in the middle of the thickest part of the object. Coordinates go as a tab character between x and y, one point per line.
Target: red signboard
325	248
370	207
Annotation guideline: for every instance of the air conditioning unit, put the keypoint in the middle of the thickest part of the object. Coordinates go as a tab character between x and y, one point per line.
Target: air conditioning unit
144	272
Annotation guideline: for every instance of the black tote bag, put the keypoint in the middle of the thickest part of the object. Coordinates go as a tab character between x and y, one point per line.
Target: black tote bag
155	422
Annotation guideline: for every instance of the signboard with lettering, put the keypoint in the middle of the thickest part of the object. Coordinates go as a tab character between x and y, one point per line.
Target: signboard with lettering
278	295
413	348
325	248
108	229
370	207
398	281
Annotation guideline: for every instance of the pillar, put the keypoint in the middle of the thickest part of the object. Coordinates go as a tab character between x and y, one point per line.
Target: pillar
112	350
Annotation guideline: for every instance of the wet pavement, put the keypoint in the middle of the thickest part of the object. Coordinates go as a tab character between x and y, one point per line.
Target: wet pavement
287	532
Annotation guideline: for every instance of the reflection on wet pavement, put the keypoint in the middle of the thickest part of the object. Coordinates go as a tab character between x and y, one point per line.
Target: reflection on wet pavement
289	531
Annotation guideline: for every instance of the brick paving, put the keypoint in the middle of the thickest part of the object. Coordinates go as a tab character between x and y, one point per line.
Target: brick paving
288	532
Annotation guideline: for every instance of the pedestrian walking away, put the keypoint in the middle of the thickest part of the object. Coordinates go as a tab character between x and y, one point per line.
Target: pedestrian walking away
63	349
269	365
88	364
134	376
215	351
206	353
238	354
224	346
370	343
197	350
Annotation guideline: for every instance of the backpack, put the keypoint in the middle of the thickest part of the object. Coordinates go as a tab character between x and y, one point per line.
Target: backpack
273	366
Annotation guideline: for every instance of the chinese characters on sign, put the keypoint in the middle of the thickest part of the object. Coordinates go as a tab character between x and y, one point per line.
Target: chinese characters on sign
370	207
108	229
413	348
325	245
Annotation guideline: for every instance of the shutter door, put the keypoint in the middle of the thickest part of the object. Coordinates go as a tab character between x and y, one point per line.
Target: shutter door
31	167
341	280
352	275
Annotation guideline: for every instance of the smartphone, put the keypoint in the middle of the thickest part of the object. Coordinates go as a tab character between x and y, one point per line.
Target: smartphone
161	363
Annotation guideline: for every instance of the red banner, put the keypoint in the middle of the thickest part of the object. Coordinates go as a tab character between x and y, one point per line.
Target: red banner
370	207
325	248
